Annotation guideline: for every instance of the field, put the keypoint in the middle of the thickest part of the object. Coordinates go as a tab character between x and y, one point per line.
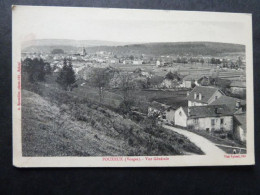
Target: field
113	97
169	97
184	69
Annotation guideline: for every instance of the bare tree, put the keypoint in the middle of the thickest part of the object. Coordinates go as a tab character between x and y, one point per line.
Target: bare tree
100	79
126	84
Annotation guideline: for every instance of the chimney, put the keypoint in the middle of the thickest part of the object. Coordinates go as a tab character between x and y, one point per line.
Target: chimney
238	104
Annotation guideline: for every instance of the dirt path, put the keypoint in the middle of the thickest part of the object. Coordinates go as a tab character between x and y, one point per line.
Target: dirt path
208	147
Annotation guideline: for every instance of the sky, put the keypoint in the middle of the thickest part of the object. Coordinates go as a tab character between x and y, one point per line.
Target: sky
128	25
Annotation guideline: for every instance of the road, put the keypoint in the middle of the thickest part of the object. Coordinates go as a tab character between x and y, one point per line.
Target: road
208	147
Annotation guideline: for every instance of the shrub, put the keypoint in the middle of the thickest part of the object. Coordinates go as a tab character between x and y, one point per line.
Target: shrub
125	107
96	137
130	142
93	122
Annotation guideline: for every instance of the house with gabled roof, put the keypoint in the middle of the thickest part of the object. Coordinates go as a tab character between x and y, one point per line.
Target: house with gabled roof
234	104
203	95
181	116
207	118
193	79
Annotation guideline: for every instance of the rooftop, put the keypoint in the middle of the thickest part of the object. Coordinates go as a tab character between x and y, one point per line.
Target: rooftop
209	111
206	92
229	101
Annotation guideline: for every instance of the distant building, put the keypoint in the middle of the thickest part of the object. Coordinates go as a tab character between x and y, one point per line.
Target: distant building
168	83
127	61
207	118
114	61
203	95
137	62
191	80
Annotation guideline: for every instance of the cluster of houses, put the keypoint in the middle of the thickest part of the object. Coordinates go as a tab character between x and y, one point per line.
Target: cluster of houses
208	109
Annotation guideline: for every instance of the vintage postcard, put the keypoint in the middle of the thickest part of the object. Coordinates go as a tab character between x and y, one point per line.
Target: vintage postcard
99	87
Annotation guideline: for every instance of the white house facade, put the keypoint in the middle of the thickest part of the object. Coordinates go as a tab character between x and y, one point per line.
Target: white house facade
181	116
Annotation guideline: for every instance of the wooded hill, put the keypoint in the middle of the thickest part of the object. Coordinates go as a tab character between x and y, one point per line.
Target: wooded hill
154	49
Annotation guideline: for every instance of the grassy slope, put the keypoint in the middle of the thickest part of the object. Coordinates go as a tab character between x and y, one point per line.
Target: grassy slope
57	124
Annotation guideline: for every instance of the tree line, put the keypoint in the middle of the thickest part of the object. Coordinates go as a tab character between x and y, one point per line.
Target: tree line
35	70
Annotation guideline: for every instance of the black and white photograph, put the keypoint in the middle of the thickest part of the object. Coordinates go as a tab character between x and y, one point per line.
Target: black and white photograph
97	87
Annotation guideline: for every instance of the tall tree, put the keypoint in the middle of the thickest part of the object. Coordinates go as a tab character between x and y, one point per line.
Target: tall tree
100	79
239	62
66	78
173	76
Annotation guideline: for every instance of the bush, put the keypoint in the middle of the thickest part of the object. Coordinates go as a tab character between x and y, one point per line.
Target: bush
93	122
130	142
66	78
125	107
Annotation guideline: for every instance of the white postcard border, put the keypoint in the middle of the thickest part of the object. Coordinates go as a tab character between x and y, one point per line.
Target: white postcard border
187	160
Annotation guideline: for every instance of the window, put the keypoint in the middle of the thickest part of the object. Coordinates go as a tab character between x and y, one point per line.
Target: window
221	121
212	122
180	113
195	121
216	97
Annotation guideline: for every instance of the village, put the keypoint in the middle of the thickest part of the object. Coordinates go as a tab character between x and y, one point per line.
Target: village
212	90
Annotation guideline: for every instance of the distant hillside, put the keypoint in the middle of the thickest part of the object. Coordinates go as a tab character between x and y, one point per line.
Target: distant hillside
156	49
180	48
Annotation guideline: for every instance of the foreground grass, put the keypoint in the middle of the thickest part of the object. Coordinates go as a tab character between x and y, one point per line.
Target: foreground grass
58	123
